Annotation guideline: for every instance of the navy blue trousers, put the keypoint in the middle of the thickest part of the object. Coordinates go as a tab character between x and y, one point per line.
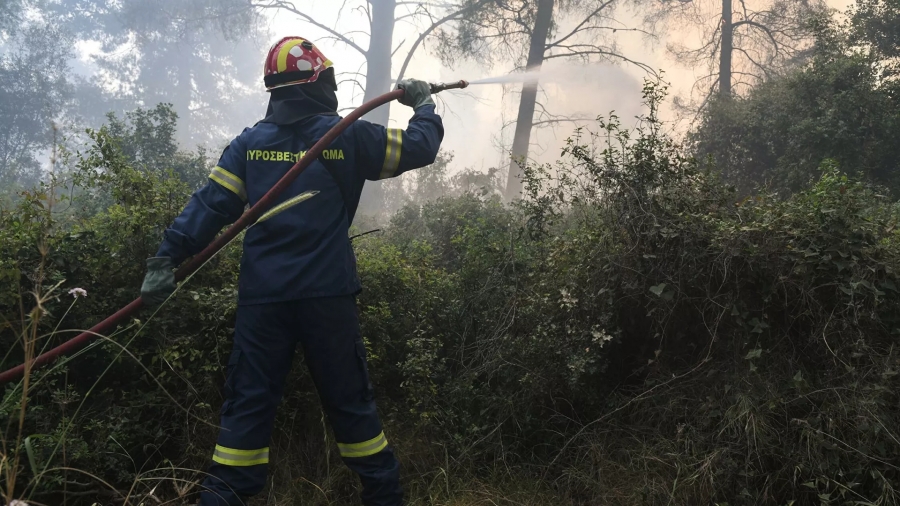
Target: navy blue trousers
265	338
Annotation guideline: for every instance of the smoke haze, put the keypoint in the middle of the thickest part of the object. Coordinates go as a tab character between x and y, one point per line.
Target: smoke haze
209	70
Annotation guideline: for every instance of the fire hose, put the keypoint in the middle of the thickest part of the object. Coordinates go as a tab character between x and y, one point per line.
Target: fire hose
248	218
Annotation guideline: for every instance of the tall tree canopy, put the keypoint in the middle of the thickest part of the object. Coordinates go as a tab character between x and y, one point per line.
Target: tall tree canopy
742	42
876	24
203	56
34	89
9	21
843	107
526	33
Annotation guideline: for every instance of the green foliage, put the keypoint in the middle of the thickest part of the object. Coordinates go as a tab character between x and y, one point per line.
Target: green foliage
34	87
629	333
199	55
12	10
842	106
644	338
876	23
432	182
114	413
147	139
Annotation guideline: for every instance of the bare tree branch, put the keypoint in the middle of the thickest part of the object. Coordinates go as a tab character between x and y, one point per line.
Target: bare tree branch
597	51
761	27
394	52
584	21
434	25
289	6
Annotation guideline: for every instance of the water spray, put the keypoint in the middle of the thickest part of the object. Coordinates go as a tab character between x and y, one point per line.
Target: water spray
250	217
522	77
556	74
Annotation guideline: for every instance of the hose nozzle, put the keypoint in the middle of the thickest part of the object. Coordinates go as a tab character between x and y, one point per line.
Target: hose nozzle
439	87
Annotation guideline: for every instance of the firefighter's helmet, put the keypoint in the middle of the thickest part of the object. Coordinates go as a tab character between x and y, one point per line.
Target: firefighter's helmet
293	60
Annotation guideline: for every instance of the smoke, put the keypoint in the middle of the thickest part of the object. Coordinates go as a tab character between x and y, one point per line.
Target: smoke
563	73
522	77
479	121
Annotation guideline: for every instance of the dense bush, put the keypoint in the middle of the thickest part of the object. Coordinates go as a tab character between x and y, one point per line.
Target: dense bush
629	333
842	106
641	338
111	411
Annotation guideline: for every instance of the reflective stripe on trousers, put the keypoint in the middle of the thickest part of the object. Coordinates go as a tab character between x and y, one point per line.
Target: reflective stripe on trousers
266	336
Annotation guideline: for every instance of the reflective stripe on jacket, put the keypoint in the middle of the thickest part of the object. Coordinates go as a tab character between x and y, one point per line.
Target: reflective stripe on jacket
302	248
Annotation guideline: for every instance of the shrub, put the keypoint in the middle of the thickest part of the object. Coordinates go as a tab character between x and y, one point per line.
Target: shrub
630	332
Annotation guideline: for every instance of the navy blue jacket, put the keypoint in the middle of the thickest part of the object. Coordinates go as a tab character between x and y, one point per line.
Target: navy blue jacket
301	249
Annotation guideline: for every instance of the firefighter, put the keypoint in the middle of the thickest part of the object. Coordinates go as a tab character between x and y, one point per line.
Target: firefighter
298	280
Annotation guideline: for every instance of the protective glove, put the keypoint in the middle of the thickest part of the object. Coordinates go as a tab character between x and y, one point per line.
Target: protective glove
159	283
418	93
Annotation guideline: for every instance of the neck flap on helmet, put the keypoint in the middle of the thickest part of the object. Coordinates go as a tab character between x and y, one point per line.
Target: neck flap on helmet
291	104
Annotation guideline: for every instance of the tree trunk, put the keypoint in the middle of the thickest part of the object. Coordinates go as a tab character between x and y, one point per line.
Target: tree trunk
378	82
525	118
182	102
183	92
726	50
378	58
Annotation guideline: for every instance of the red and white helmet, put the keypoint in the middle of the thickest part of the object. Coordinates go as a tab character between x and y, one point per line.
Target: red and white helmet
293	60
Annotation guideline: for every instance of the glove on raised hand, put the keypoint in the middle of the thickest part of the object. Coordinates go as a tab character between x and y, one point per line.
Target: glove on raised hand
159	283
418	93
